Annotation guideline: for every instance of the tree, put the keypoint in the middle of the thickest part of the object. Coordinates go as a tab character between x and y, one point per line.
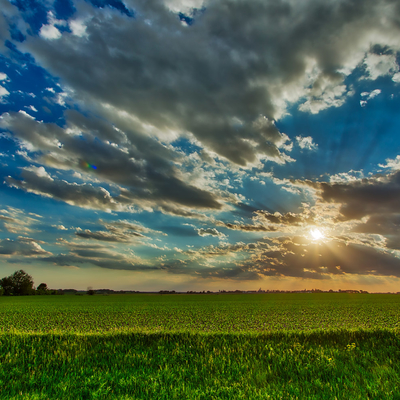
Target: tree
23	283
7	286
42	288
17	284
90	291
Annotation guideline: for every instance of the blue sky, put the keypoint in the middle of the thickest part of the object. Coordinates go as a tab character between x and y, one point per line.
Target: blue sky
200	145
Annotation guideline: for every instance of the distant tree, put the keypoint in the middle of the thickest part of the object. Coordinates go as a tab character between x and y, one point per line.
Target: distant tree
43	289
7	286
90	291
42	286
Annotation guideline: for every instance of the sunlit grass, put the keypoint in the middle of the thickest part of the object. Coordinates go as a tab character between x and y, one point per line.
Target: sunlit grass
168	359
199	313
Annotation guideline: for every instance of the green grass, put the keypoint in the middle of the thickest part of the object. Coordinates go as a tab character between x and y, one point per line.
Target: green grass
342	365
199	313
200	347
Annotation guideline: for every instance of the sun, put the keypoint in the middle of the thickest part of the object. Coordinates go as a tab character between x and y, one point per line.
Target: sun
316	234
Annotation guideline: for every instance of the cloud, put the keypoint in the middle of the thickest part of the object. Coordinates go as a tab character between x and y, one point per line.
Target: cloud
3	93
23	246
288	218
106	236
297	257
60	227
393	164
50	31
345	177
214	79
100	259
142	167
84	195
375	195
378	65
17	221
368	96
122	231
306	143
133	227
184	6
210	232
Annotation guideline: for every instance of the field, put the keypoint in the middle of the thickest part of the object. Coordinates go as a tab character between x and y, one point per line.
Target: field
244	346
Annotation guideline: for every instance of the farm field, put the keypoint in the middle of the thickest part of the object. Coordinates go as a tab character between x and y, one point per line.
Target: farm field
248	346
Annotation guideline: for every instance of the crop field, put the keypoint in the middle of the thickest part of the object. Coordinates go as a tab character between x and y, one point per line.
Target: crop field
230	346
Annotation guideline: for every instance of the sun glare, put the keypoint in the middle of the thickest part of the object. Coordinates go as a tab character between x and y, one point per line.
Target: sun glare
316	234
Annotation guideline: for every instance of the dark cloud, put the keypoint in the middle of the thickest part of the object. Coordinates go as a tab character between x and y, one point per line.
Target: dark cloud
132	228
222	249
246	228
265	221
393	242
217	77
288	218
106	236
17	221
380	224
228	271
22	246
98	255
144	168
36	180
372	196
235	61
118	231
298	257
179	231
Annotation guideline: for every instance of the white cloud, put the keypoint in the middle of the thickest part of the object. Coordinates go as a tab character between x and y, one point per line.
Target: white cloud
49	32
380	65
368	96
346	177
306	143
210	232
60	227
3	92
393	164
77	27
184	6
3	76
331	96
396	77
39	171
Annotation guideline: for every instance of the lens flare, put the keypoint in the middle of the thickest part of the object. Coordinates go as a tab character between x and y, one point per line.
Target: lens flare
316	234
86	165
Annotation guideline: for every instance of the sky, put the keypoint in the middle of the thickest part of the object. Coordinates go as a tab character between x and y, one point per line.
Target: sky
201	145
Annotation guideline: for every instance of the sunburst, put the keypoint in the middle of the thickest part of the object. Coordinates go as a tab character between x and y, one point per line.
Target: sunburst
316	234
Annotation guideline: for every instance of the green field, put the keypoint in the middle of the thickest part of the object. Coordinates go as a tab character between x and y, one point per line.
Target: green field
242	346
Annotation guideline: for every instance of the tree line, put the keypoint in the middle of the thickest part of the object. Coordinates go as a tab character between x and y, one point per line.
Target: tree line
21	284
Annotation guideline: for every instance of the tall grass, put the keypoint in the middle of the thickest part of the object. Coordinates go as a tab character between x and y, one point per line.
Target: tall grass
318	365
304	346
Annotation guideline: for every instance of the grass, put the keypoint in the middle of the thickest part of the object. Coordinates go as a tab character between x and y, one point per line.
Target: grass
161	363
199	313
